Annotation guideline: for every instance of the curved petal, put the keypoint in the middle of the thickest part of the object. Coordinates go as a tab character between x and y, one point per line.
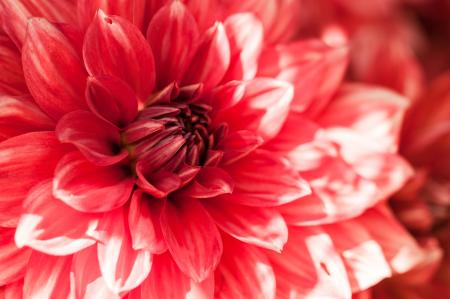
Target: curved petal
244	272
172	33
212	59
46	56
97	140
12	290
113	46
25	160
47	277
258	226
238	145
122	267
112	99
263	180
42	227
13	260
12	81
88	281
210	182
143	219
192	237
245	34
19	116
89	188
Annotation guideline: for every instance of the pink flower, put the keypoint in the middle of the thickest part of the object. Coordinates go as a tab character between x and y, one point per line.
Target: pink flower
172	153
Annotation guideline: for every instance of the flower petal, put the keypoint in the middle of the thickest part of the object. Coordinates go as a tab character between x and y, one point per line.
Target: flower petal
20	115
192	237
210	182
88	281
13	260
172	33
97	140
164	276
12	290
264	180
42	228
212	59
47	277
244	271
143	219
122	267
258	226
89	188
238	145
245	34
25	160
113	46
111	99
46	56
12	81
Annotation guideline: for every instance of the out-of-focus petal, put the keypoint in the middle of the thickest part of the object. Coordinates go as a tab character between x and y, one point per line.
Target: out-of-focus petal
13	260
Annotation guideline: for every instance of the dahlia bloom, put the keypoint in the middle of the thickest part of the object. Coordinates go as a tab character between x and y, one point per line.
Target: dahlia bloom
171	152
423	205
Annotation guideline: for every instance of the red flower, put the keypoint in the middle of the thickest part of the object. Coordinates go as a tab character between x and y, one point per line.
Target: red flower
175	164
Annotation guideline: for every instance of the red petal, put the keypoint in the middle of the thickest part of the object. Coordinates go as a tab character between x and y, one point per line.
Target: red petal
47	55
210	182
164	276
89	188
47	277
245	34
309	267
15	15
192	237
19	115
13	261
212	59
122	267
132	10
258	226
42	228
113	46
263	109
238	145
12	290
25	160
12	81
244	271
111	99
263	180
97	140
143	219
172	33
89	282
314	68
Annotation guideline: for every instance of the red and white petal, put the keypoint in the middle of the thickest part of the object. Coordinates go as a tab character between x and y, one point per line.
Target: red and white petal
12	290
310	267
253	225
112	99
245	34
172	33
25	160
263	180
244	272
132	10
239	144
89	188
192	237
13	260
15	15
314	69
12	81
21	115
263	108
50	226
164	276
98	140
212	59
210	182
48	277
143	220
46	56
88	281
122	267
113	46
